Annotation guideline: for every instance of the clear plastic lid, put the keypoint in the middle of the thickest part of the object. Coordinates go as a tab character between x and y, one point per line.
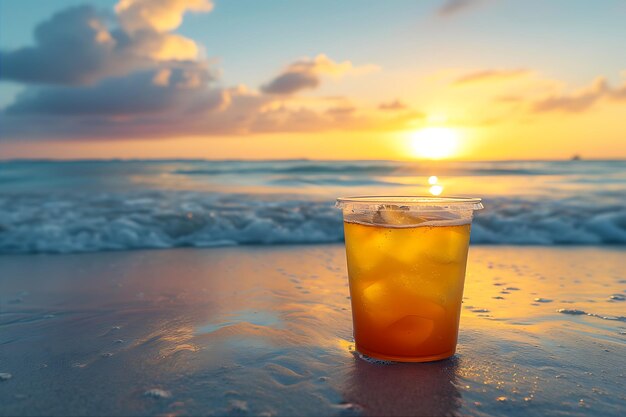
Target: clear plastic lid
409	203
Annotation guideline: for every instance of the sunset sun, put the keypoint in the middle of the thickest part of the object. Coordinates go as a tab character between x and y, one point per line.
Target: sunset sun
435	142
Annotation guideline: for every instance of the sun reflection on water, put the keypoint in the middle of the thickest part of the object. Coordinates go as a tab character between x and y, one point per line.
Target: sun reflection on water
435	189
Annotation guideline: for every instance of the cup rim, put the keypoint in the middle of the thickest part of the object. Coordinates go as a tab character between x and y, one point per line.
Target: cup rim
415	202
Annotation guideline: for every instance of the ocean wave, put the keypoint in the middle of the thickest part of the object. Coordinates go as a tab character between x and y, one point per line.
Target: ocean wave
364	170
74	223
217	168
585	170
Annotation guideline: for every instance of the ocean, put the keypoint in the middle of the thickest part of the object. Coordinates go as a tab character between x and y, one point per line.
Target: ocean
90	206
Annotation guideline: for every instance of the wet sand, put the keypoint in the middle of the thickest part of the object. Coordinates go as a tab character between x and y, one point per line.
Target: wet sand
267	331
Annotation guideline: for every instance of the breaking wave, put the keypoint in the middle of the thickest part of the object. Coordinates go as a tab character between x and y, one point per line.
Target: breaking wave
72	223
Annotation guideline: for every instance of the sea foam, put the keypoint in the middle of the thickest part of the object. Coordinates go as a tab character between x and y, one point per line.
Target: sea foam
70	223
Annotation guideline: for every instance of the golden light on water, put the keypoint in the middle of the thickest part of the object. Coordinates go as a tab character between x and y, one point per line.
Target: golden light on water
435	142
436	189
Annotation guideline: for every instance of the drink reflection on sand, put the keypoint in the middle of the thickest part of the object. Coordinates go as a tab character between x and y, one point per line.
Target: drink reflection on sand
429	389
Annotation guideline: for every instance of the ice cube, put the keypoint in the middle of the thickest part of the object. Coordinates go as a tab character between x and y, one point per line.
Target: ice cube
388	300
387	269
445	244
363	247
378	305
408	333
404	246
424	307
397	216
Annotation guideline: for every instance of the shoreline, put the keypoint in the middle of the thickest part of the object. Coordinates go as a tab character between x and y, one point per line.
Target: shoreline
283	245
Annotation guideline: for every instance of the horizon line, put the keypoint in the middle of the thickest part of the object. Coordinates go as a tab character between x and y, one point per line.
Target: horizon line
62	160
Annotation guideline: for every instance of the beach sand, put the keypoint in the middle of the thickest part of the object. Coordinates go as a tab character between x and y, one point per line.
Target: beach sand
267	331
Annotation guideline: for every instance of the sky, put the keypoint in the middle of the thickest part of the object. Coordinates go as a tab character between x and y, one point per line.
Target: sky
351	79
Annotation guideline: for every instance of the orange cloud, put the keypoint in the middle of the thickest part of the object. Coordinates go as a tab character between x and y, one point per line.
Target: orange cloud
490	75
174	47
393	105
150	21
341	111
157	15
582	99
306	73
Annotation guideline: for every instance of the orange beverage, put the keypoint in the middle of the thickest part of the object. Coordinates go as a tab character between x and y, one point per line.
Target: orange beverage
406	267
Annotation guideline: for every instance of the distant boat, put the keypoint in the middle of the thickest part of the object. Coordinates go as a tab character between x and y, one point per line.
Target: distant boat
575	158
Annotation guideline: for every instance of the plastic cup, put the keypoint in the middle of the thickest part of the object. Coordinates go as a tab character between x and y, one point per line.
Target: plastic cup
406	267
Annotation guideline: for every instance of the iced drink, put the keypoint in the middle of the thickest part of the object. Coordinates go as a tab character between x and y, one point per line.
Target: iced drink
406	265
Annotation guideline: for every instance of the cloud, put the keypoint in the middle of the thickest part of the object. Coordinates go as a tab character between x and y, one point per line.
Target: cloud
77	46
292	82
74	46
490	75
140	106
453	7
159	111
93	74
307	73
341	111
618	94
157	15
393	105
182	88
580	100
